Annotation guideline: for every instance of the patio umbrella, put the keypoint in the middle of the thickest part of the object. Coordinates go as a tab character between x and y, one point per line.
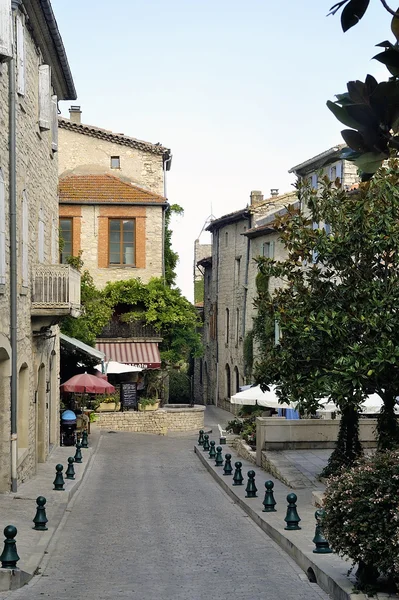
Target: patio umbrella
254	395
112	367
89	384
370	406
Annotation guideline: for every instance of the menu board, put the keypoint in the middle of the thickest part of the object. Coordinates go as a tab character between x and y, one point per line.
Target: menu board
129	396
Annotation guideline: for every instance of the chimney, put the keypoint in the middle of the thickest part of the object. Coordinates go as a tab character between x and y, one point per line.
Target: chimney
256	197
274	192
75	114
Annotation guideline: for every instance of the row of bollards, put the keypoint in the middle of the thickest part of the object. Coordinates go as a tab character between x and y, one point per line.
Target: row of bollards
9	557
292	518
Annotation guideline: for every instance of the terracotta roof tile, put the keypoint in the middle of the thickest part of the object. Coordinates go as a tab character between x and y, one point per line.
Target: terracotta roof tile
81	189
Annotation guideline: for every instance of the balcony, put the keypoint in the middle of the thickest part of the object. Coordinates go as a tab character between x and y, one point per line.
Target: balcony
137	330
55	293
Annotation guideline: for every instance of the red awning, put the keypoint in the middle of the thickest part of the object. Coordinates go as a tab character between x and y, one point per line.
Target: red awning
141	354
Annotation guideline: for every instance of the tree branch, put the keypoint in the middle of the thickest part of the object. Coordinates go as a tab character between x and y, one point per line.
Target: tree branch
390	10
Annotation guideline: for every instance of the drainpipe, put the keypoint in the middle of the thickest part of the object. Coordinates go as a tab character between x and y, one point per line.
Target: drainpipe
12	165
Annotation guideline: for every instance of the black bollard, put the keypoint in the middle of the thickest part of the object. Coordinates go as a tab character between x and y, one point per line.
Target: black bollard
78	454
9	557
219	457
251	488
85	439
212	451
322	545
269	502
206	446
40	519
237	477
59	479
292	518
201	438
227	469
70	472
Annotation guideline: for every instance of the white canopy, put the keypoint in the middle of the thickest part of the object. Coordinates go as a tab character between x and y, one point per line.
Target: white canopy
370	406
254	395
114	367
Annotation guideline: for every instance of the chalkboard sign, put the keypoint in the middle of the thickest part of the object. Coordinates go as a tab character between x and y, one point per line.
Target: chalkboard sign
129	395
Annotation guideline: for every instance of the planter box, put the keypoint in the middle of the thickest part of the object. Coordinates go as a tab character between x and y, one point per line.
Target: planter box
108	407
149	406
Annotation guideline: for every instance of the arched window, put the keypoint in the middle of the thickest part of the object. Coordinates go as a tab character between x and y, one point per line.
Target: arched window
227	325
23	407
228	381
236	380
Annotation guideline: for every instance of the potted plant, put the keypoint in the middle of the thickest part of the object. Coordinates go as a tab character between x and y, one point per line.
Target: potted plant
110	402
148	404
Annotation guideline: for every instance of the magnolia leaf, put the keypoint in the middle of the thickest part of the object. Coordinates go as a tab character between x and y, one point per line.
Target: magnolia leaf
353	12
357	92
349	154
385	44
389	57
370	162
354	139
341	114
395	27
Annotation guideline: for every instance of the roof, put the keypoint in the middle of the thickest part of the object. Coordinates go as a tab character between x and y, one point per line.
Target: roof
205	262
103	189
319	160
48	38
266	225
116	138
238	215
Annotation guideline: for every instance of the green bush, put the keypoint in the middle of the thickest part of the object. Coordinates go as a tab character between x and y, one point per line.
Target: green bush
235	426
362	516
179	387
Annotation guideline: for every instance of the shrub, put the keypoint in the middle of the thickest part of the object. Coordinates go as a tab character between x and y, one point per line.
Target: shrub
235	426
179	387
362	516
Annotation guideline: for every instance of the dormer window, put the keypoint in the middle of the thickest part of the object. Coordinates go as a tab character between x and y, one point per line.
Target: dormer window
115	162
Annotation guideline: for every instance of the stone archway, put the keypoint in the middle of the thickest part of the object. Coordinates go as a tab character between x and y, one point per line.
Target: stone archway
41	414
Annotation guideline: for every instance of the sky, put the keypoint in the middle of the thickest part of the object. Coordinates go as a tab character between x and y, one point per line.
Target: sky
237	90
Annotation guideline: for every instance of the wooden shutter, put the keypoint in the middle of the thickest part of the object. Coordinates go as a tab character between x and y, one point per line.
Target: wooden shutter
54	241
339	171
5	30
44	97
54	123
20	56
2	229
25	240
314	181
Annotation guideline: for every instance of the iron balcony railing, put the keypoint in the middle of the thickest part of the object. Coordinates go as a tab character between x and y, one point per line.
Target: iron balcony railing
137	329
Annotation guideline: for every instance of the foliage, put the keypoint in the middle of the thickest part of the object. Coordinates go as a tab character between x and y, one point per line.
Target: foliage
337	308
148	401
179	387
235	426
249	431
171	257
370	109
348	447
199	290
154	383
362	514
166	309
248	354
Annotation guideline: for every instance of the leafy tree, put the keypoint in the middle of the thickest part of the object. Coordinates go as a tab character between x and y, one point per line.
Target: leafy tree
370	109
171	257
337	310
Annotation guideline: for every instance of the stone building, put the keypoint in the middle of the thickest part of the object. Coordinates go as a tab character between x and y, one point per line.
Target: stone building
230	278
35	291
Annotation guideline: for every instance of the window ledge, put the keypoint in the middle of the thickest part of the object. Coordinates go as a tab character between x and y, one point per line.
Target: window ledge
22	454
23	290
121	267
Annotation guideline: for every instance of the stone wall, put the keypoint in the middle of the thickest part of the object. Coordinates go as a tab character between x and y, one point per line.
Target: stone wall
83	154
159	421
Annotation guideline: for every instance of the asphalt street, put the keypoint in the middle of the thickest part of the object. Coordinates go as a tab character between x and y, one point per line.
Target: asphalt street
150	523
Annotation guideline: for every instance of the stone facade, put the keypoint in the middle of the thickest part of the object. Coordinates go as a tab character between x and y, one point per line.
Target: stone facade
91	151
37	349
159	421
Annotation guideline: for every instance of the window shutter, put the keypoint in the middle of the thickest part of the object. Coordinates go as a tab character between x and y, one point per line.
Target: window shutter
271	249
314	181
44	97
41	237
20	56
25	240
5	30
339	171
54	123
54	241
2	230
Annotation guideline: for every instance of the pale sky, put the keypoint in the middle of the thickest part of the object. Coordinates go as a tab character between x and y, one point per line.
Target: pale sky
237	90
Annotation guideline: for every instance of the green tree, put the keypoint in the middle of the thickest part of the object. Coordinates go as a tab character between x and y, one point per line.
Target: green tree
337	310
370	109
171	257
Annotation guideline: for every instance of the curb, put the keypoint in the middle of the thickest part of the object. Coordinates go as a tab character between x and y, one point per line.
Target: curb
328	576
12	579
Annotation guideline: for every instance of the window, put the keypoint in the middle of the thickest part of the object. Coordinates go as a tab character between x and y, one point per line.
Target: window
238	269
228	381
66	235
44	97
227	325
314	180
315	254
333	173
20	35
226	239
237	332
121	242
237	379
25	240
2	230
268	249
115	162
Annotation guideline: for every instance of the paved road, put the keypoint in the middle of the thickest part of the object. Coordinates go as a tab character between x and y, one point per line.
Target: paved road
149	523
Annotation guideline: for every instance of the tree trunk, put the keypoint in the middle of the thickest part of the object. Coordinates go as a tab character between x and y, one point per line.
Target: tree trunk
387	426
348	447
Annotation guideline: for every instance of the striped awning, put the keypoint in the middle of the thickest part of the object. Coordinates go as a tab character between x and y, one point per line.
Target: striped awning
141	354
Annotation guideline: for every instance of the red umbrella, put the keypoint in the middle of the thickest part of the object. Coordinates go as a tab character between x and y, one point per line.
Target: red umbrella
85	383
